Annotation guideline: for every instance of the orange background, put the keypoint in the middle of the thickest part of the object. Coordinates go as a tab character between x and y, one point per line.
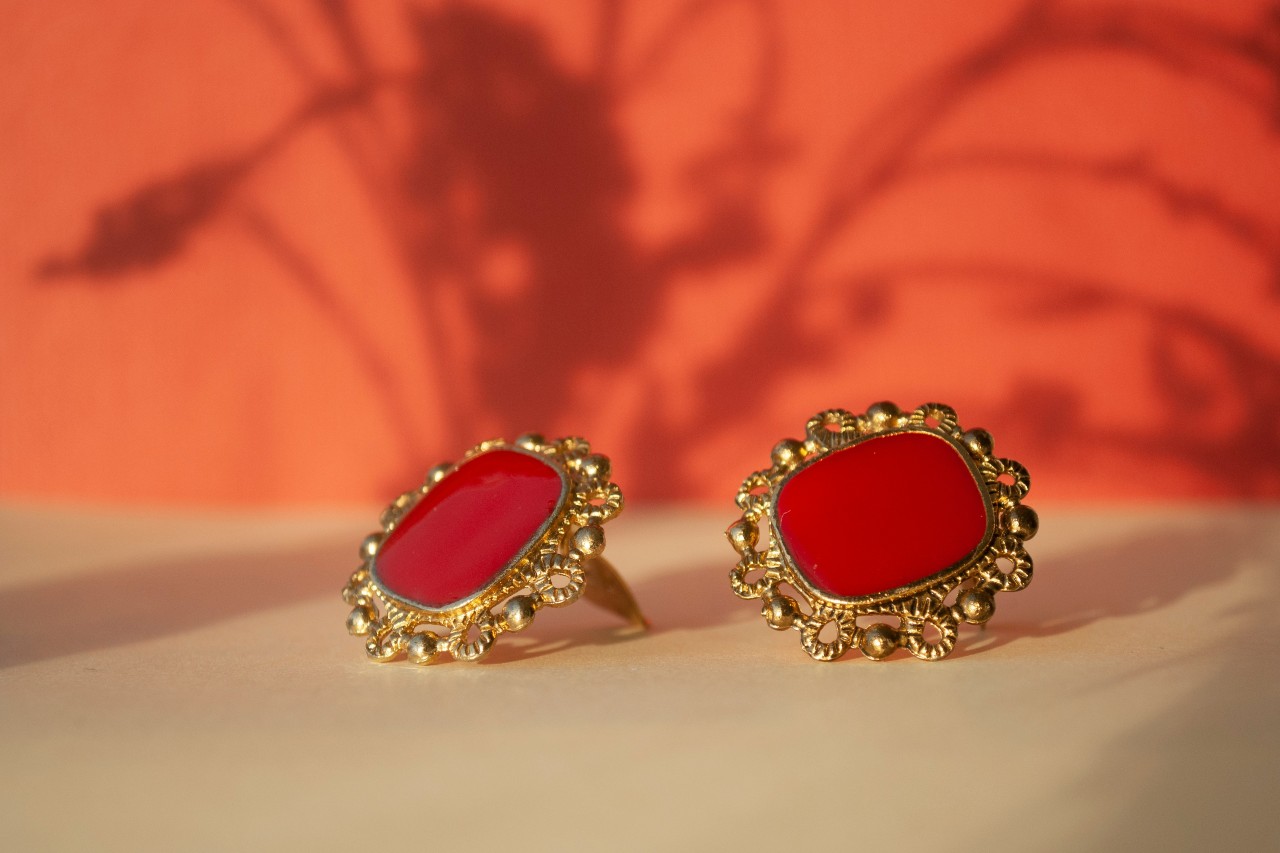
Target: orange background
297	252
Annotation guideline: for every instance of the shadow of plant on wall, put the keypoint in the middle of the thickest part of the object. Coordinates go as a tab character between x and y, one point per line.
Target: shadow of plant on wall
506	198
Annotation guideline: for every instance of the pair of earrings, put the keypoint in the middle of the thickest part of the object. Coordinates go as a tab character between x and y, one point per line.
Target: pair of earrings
877	531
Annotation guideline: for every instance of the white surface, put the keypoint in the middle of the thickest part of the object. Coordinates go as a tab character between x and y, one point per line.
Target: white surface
186	683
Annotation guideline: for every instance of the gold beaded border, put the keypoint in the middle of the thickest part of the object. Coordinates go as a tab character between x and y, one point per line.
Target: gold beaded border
468	628
962	593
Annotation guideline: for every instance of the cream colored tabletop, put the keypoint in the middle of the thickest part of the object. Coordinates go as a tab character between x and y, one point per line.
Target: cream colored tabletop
185	682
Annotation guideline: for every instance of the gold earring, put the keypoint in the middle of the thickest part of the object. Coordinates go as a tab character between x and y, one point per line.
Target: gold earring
879	526
482	546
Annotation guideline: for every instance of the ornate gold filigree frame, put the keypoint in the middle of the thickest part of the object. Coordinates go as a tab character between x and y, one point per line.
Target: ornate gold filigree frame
560	563
964	592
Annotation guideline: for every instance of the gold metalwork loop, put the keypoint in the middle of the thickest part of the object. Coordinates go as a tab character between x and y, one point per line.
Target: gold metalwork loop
551	566
754	492
944	417
463	649
750	589
819	428
913	636
1006	548
599	504
846	638
1009	493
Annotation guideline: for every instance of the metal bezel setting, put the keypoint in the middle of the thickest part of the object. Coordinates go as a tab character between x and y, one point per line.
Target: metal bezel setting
803	581
493	590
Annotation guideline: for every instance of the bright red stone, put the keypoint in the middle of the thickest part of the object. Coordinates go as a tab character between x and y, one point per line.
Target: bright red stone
460	536
882	514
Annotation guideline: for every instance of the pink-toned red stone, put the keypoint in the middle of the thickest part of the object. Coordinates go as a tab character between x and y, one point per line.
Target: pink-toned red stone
881	514
460	536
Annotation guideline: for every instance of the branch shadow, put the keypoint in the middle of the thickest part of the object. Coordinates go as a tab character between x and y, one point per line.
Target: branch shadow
507	205
505	202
